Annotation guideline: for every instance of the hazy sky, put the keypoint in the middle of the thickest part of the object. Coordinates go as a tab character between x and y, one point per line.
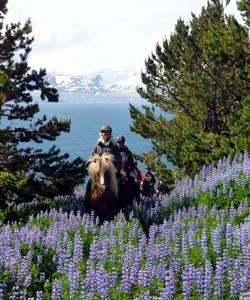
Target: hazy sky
89	36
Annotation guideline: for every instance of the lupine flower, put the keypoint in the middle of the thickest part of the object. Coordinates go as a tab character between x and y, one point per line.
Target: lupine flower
208	281
102	282
126	284
204	243
57	290
39	295
215	238
199	280
186	284
218	289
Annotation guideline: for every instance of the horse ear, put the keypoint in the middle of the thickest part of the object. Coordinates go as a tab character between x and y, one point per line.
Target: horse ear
88	163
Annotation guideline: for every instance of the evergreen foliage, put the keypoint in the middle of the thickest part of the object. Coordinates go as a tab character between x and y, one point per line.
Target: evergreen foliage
244	7
201	76
26	173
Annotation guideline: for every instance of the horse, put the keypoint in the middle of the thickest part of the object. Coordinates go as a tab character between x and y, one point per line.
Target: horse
104	186
145	188
129	189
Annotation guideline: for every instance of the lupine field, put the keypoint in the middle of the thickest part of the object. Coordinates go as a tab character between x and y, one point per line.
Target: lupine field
190	244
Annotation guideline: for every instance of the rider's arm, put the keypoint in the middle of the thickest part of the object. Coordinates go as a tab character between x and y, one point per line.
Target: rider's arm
131	160
118	158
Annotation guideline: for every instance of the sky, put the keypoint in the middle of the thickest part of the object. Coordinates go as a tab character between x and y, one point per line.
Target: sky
87	37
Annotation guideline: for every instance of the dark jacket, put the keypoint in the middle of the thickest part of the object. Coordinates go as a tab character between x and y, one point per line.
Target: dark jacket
110	147
126	154
151	178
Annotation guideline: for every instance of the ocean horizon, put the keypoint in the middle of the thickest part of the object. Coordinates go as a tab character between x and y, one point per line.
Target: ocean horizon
86	120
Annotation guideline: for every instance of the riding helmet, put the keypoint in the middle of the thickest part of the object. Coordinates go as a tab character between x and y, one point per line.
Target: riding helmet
106	128
120	138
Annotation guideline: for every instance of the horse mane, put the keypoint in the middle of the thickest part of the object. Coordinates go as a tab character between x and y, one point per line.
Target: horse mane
105	161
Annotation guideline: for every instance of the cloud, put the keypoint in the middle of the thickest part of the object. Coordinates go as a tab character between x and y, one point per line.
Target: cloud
82	36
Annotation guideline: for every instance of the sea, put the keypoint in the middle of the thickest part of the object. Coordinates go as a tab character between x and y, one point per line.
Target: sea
86	120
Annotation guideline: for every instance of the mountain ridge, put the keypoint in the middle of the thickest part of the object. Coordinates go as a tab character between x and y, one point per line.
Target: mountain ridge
78	88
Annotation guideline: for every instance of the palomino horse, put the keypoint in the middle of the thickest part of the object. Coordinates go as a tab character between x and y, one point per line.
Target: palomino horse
104	187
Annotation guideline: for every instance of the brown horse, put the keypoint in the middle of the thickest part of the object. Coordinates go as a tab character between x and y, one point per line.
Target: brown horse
145	187
104	187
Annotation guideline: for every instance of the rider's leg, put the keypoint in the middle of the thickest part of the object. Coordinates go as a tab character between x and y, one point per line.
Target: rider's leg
86	199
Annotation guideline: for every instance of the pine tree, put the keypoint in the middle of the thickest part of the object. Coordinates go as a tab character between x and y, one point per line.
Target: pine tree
200	76
244	8
26	173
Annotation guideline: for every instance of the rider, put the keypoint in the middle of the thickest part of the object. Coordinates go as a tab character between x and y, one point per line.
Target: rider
126	154
105	144
151	179
138	174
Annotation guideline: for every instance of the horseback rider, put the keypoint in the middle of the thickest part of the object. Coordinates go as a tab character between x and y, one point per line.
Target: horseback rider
126	155
130	166
138	174
151	179
105	144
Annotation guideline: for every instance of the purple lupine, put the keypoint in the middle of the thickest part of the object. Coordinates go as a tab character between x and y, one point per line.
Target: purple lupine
113	277
15	293
219	278
208	281
233	282
176	245
78	249
199	280
215	239
73	277
169	290
245	274
153	230
143	277
133	275
186	284
39	259
2	287
161	269
204	243
150	254
126	284
184	244
39	295
104	245
42	277
102	282
175	265
57	290
191	236
229	235
245	296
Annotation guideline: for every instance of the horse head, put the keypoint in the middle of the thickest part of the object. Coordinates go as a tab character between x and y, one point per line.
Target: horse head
145	187
102	171
125	167
104	187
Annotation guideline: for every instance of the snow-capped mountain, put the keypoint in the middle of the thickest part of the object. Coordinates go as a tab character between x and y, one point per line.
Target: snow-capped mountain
78	88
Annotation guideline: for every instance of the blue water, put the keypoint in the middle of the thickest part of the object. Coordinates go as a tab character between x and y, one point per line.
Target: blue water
86	119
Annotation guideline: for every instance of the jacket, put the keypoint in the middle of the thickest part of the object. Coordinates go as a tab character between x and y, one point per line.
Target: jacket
109	147
126	154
